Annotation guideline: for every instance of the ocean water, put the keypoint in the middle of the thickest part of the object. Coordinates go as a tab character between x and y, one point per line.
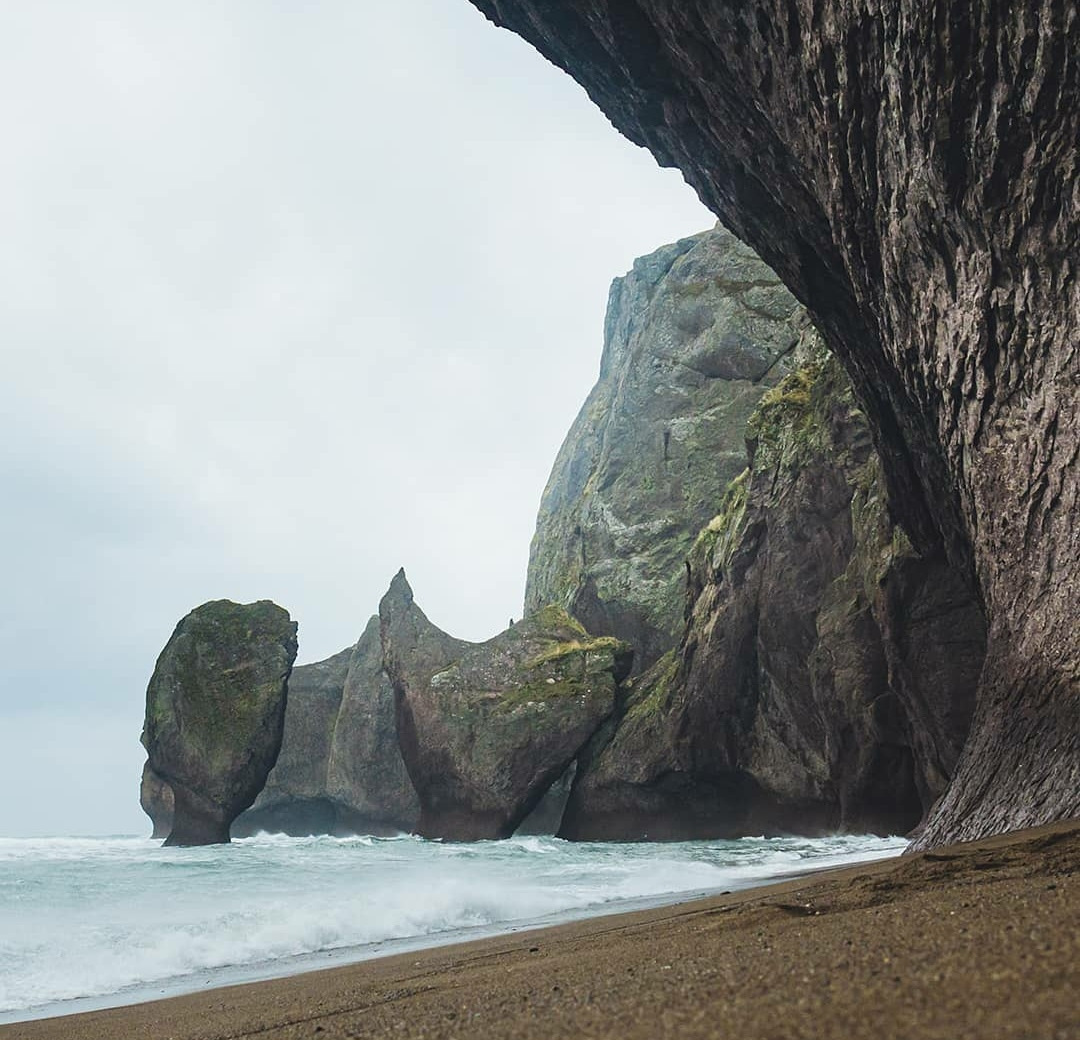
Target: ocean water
102	921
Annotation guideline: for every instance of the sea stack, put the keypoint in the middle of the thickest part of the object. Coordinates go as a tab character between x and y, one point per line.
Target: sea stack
215	713
486	728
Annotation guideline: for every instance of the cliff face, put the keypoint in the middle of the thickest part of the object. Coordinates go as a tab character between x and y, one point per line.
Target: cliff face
694	334
910	172
366	778
827	673
294	798
486	729
215	713
340	770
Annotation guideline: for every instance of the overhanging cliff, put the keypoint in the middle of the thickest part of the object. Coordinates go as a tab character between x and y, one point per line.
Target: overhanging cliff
911	172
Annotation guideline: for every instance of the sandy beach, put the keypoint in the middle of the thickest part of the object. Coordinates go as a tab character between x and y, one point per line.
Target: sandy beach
979	940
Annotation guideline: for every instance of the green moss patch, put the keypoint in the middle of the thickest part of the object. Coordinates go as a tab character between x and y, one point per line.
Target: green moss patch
722	530
561	651
653	698
555	620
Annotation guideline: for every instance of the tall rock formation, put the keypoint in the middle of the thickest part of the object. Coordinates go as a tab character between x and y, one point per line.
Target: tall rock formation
910	171
366	778
340	770
294	799
215	713
694	335
487	728
826	677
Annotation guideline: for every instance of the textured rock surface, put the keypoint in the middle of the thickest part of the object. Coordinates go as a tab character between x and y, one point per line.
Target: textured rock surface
340	770
485	729
694	334
215	713
910	171
827	675
156	799
366	777
294	800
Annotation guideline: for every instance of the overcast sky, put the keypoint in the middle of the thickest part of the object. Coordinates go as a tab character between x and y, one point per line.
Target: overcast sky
294	294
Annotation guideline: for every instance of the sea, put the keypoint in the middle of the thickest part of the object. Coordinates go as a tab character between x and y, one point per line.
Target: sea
102	921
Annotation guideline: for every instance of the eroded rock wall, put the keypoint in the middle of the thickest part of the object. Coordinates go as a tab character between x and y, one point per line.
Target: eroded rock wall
294	799
156	800
486	729
910	171
215	713
340	770
695	333
826	677
366	778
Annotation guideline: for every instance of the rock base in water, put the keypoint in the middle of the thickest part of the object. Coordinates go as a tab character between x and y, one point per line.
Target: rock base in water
486	729
215	711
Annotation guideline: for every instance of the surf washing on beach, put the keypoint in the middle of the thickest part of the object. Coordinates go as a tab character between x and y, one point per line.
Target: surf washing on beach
120	919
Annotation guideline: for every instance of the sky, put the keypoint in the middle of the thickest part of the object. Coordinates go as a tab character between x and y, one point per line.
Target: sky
295	294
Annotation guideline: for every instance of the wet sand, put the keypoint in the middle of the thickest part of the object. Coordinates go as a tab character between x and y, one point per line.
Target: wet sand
979	941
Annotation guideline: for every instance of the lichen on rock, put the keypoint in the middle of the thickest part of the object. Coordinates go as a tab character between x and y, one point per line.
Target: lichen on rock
826	675
694	334
215	711
485	729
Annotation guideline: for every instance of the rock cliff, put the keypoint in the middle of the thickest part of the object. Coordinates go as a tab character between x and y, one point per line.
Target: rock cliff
294	799
486	729
694	334
910	171
156	799
215	713
366	778
340	770
826	677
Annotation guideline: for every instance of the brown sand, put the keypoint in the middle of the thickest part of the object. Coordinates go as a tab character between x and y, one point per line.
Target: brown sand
979	941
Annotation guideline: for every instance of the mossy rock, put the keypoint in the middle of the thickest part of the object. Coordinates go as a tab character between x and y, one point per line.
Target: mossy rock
694	335
486	728
215	710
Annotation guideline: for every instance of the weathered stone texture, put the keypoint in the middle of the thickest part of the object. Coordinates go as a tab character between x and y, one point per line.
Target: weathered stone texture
827	674
294	798
485	729
156	800
694	334
911	172
366	778
215	713
340	770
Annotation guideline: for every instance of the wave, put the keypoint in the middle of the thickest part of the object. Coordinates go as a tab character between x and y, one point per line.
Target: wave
89	917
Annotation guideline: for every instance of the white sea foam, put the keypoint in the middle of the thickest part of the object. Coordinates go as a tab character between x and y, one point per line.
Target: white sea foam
92	916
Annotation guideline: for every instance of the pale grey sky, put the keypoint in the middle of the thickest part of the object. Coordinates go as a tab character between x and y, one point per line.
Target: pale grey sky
295	294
